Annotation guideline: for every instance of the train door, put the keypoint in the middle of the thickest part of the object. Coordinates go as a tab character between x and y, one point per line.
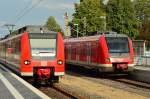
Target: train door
83	56
88	52
94	52
81	52
85	52
74	52
69	52
78	52
66	51
9	53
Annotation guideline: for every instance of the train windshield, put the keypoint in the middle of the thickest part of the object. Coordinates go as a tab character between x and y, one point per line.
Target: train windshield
117	44
43	46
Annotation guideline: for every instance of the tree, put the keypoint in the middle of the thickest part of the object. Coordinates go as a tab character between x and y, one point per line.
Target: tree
88	15
52	25
142	8
145	31
121	17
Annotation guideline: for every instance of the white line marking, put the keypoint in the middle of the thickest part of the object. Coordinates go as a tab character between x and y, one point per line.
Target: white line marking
35	90
11	88
26	73
59	73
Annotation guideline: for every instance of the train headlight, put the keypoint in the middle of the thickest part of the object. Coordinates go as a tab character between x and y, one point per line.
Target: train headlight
26	62
107	59
59	62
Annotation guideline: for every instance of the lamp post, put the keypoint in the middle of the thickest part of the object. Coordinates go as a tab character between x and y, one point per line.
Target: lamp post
84	21
104	18
66	24
77	29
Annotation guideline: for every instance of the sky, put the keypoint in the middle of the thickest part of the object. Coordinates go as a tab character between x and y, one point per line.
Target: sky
33	12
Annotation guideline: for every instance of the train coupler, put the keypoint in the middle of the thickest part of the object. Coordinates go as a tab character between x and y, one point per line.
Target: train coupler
43	73
120	67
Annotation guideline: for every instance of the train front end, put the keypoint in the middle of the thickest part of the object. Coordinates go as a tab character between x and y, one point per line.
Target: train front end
118	55
43	56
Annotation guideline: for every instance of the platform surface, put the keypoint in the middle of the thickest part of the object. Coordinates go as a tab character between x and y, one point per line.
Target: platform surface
142	68
142	73
13	87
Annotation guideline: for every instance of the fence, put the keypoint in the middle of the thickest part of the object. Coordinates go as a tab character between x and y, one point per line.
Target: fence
141	52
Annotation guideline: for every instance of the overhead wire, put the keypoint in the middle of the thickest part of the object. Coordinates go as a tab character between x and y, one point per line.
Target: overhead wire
23	10
27	11
19	14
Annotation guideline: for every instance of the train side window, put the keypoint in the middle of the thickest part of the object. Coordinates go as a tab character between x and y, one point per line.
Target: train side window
94	49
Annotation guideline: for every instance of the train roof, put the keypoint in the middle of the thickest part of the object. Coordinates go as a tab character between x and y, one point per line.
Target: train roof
93	38
10	38
35	29
29	29
87	38
115	35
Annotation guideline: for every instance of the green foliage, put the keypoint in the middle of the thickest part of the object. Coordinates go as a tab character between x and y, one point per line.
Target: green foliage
142	8
15	32
121	17
52	25
145	30
88	15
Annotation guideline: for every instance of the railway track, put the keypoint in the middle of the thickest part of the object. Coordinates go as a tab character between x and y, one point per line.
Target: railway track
133	82
124	82
57	91
131	86
122	78
71	95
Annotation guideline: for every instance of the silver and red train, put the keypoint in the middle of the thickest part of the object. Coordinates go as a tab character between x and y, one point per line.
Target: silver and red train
108	52
34	52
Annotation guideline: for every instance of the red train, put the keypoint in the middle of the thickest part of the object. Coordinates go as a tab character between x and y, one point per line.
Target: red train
108	52
35	52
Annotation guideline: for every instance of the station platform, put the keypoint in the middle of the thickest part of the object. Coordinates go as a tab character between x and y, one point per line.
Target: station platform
13	87
142	68
141	73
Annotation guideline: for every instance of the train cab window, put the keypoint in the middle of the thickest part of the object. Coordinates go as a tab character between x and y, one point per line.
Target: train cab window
117	44
43	46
